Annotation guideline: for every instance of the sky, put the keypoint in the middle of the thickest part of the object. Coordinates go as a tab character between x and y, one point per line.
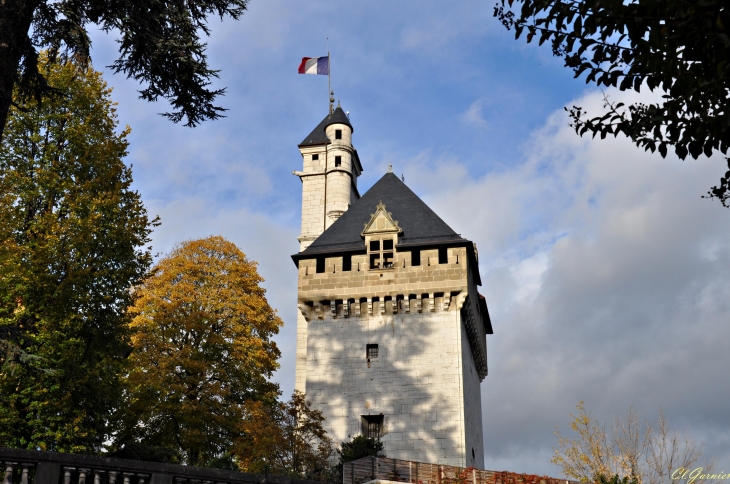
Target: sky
603	268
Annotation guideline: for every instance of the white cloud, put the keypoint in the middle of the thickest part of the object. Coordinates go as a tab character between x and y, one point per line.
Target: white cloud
474	116
605	275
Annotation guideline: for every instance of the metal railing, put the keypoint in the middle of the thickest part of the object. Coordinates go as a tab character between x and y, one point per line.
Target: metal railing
383	468
35	467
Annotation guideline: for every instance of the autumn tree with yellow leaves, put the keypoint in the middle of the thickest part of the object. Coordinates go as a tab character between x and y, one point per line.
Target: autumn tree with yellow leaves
202	348
629	448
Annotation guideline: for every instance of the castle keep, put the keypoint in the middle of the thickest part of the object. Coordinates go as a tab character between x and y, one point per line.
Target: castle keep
391	330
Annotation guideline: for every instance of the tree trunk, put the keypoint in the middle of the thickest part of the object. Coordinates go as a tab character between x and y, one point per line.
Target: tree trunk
16	17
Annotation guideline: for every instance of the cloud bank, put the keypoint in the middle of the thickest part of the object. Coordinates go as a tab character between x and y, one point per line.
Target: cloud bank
606	277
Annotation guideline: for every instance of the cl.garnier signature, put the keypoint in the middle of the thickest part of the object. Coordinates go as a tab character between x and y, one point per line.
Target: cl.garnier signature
696	474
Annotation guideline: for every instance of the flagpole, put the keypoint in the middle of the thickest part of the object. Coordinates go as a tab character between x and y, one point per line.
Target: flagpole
329	78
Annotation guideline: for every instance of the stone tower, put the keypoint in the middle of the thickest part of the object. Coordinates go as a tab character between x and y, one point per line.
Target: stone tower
391	330
329	177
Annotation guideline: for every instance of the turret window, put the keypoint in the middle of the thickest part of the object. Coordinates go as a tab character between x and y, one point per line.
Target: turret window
338	134
338	160
381	254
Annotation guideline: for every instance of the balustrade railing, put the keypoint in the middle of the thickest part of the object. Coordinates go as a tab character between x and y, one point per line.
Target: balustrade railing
385	469
36	467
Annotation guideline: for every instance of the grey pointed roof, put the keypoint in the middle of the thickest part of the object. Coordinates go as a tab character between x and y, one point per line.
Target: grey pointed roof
318	135
421	226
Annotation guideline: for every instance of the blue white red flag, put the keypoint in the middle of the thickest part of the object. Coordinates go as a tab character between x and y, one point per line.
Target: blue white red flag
315	65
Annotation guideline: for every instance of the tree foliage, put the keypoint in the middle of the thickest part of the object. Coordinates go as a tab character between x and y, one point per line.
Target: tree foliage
72	233
202	347
159	46
360	446
284	439
680	47
628	448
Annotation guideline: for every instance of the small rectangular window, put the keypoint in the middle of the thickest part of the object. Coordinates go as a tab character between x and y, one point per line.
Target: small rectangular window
347	262
388	244
443	255
338	134
320	265
416	257
372	426
372	351
315	157
338	161
374	245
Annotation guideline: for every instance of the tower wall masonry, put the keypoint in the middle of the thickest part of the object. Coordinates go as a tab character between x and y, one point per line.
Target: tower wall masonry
425	380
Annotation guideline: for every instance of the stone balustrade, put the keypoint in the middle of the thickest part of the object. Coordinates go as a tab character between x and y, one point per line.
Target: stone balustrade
36	467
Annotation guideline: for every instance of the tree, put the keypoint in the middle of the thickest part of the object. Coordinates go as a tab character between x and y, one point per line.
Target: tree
284	439
159	45
202	347
72	236
629	448
360	446
680	47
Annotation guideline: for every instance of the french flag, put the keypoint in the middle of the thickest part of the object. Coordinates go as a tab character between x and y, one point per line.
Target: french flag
315	65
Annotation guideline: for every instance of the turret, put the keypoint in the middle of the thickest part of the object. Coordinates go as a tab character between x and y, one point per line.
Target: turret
329	176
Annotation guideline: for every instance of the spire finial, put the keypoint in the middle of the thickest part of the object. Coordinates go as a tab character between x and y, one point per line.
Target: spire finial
390	168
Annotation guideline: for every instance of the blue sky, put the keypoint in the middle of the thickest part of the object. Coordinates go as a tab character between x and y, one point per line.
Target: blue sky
603	268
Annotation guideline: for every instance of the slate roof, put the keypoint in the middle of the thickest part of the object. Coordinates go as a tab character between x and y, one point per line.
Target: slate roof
318	135
421	226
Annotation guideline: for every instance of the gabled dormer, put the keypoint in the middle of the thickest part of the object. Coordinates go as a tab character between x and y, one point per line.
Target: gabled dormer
381	237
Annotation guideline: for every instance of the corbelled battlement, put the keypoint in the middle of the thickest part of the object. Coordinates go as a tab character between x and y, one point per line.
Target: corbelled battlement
402	281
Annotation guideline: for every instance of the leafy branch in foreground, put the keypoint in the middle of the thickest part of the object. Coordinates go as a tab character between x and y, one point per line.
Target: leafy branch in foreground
680	47
159	46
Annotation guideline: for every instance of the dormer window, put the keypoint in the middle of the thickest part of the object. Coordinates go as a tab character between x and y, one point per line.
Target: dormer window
381	236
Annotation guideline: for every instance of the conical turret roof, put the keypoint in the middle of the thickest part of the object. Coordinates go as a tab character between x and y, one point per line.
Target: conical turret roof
318	135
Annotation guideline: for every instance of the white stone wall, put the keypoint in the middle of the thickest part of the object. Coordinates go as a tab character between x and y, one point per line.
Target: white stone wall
472	407
300	376
312	209
339	178
416	382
